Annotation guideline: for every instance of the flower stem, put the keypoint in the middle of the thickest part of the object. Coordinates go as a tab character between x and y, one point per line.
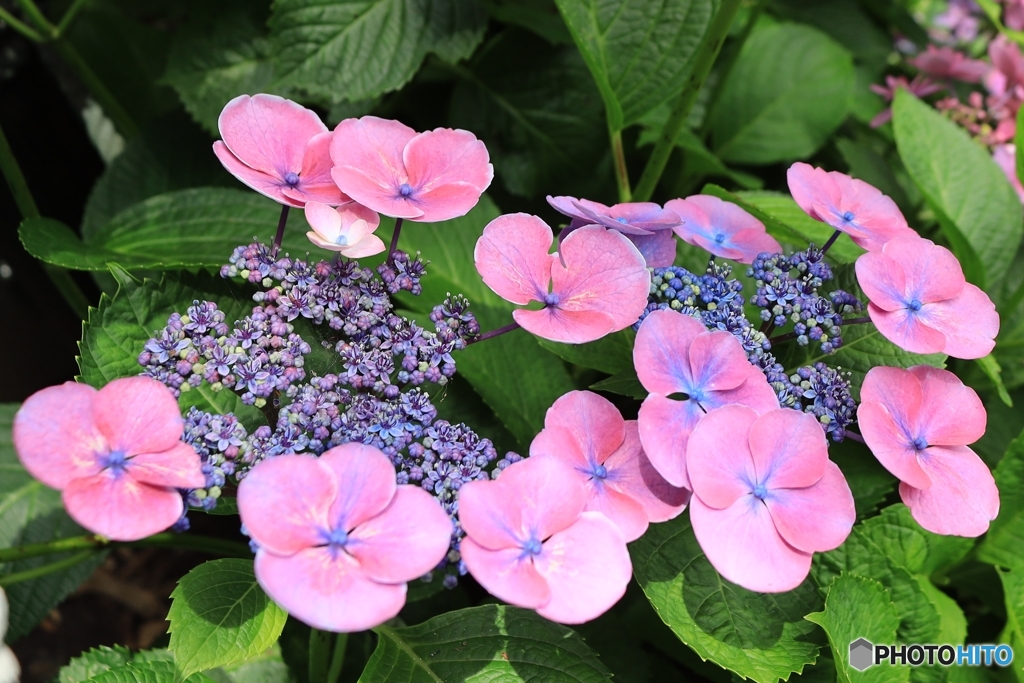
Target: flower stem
856	321
854	436
703	59
621	172
337	658
830	241
69	16
93	542
494	333
279	237
20	26
394	240
36	572
319	655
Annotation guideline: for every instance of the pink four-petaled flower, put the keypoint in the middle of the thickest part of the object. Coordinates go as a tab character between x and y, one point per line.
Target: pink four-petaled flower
598	281
278	148
115	454
425	177
647	225
688	372
920	301
918	423
347	229
530	542
722	228
338	538
587	432
765	495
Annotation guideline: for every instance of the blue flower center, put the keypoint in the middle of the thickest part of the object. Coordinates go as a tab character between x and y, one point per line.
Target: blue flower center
115	461
336	538
848	216
622	220
405	189
291	178
915	305
719	238
532	547
920	444
552	299
760	491
600	472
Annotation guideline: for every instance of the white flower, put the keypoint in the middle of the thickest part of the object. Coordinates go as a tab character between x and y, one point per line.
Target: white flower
348	229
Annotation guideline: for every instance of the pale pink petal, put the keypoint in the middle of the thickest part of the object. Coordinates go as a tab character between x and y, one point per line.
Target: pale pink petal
178	467
558	442
717	361
722	228
891	444
741	542
443	156
789	449
626	513
906	329
587	568
366	483
603	272
405	541
268	133
568	327
55	436
507	574
325	221
593	420
963	497
643	215
377	194
368	246
721	250
876	220
718	456
900	392
267	185
661	351
969	323
284	502
315	181
138	415
753	242
512	257
951	414
932	272
658	250
368	165
631	472
817	518
882	279
567	206
810	185
328	590
121	508
665	428
755	392
445	202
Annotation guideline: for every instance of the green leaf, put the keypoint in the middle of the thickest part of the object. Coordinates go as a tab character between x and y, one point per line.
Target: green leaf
1013	588
857	607
868	480
219	616
638	50
95	661
762	636
787	92
977	207
1004	542
1018	141
267	668
146	672
624	383
358	49
33	513
487	643
186	228
990	366
847	23
612	353
539	16
698	161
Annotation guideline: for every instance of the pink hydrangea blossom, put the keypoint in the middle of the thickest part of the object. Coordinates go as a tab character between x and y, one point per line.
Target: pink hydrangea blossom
1013	14
849	205
587	432
425	177
115	454
645	224
347	229
688	372
278	148
1007	74
765	495
598	281
530	542
1006	157
722	228
918	423
919	87
945	62
338	538
920	301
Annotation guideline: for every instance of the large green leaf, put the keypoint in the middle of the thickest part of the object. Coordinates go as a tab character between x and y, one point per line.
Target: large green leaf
977	207
487	643
760	636
33	513
1013	589
868	480
1004	543
186	228
358	49
147	672
857	607
219	616
638	50
612	353
788	91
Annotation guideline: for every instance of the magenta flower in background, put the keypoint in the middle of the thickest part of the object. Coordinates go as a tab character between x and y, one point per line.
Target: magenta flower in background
587	432
278	148
765	495
338	538
919	87
347	229
1007	74
1006	157
598	280
945	63
115	454
530	542
1013	14
645	224
920	301
849	205
425	177
722	228
689	371
918	423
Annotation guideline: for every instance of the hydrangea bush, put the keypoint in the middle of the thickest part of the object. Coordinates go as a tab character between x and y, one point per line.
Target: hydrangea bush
725	384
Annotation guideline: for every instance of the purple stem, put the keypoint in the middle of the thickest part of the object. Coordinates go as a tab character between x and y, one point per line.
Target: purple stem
831	240
782	337
856	321
280	231
394	239
494	333
853	435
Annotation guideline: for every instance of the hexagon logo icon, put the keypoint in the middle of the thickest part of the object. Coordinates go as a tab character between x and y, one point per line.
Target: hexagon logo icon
861	654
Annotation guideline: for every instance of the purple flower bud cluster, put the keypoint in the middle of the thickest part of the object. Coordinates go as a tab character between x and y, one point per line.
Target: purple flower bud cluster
402	272
221	441
787	291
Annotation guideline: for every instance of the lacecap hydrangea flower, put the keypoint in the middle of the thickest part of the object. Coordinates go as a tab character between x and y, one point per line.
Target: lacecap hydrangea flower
722	228
646	224
347	229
